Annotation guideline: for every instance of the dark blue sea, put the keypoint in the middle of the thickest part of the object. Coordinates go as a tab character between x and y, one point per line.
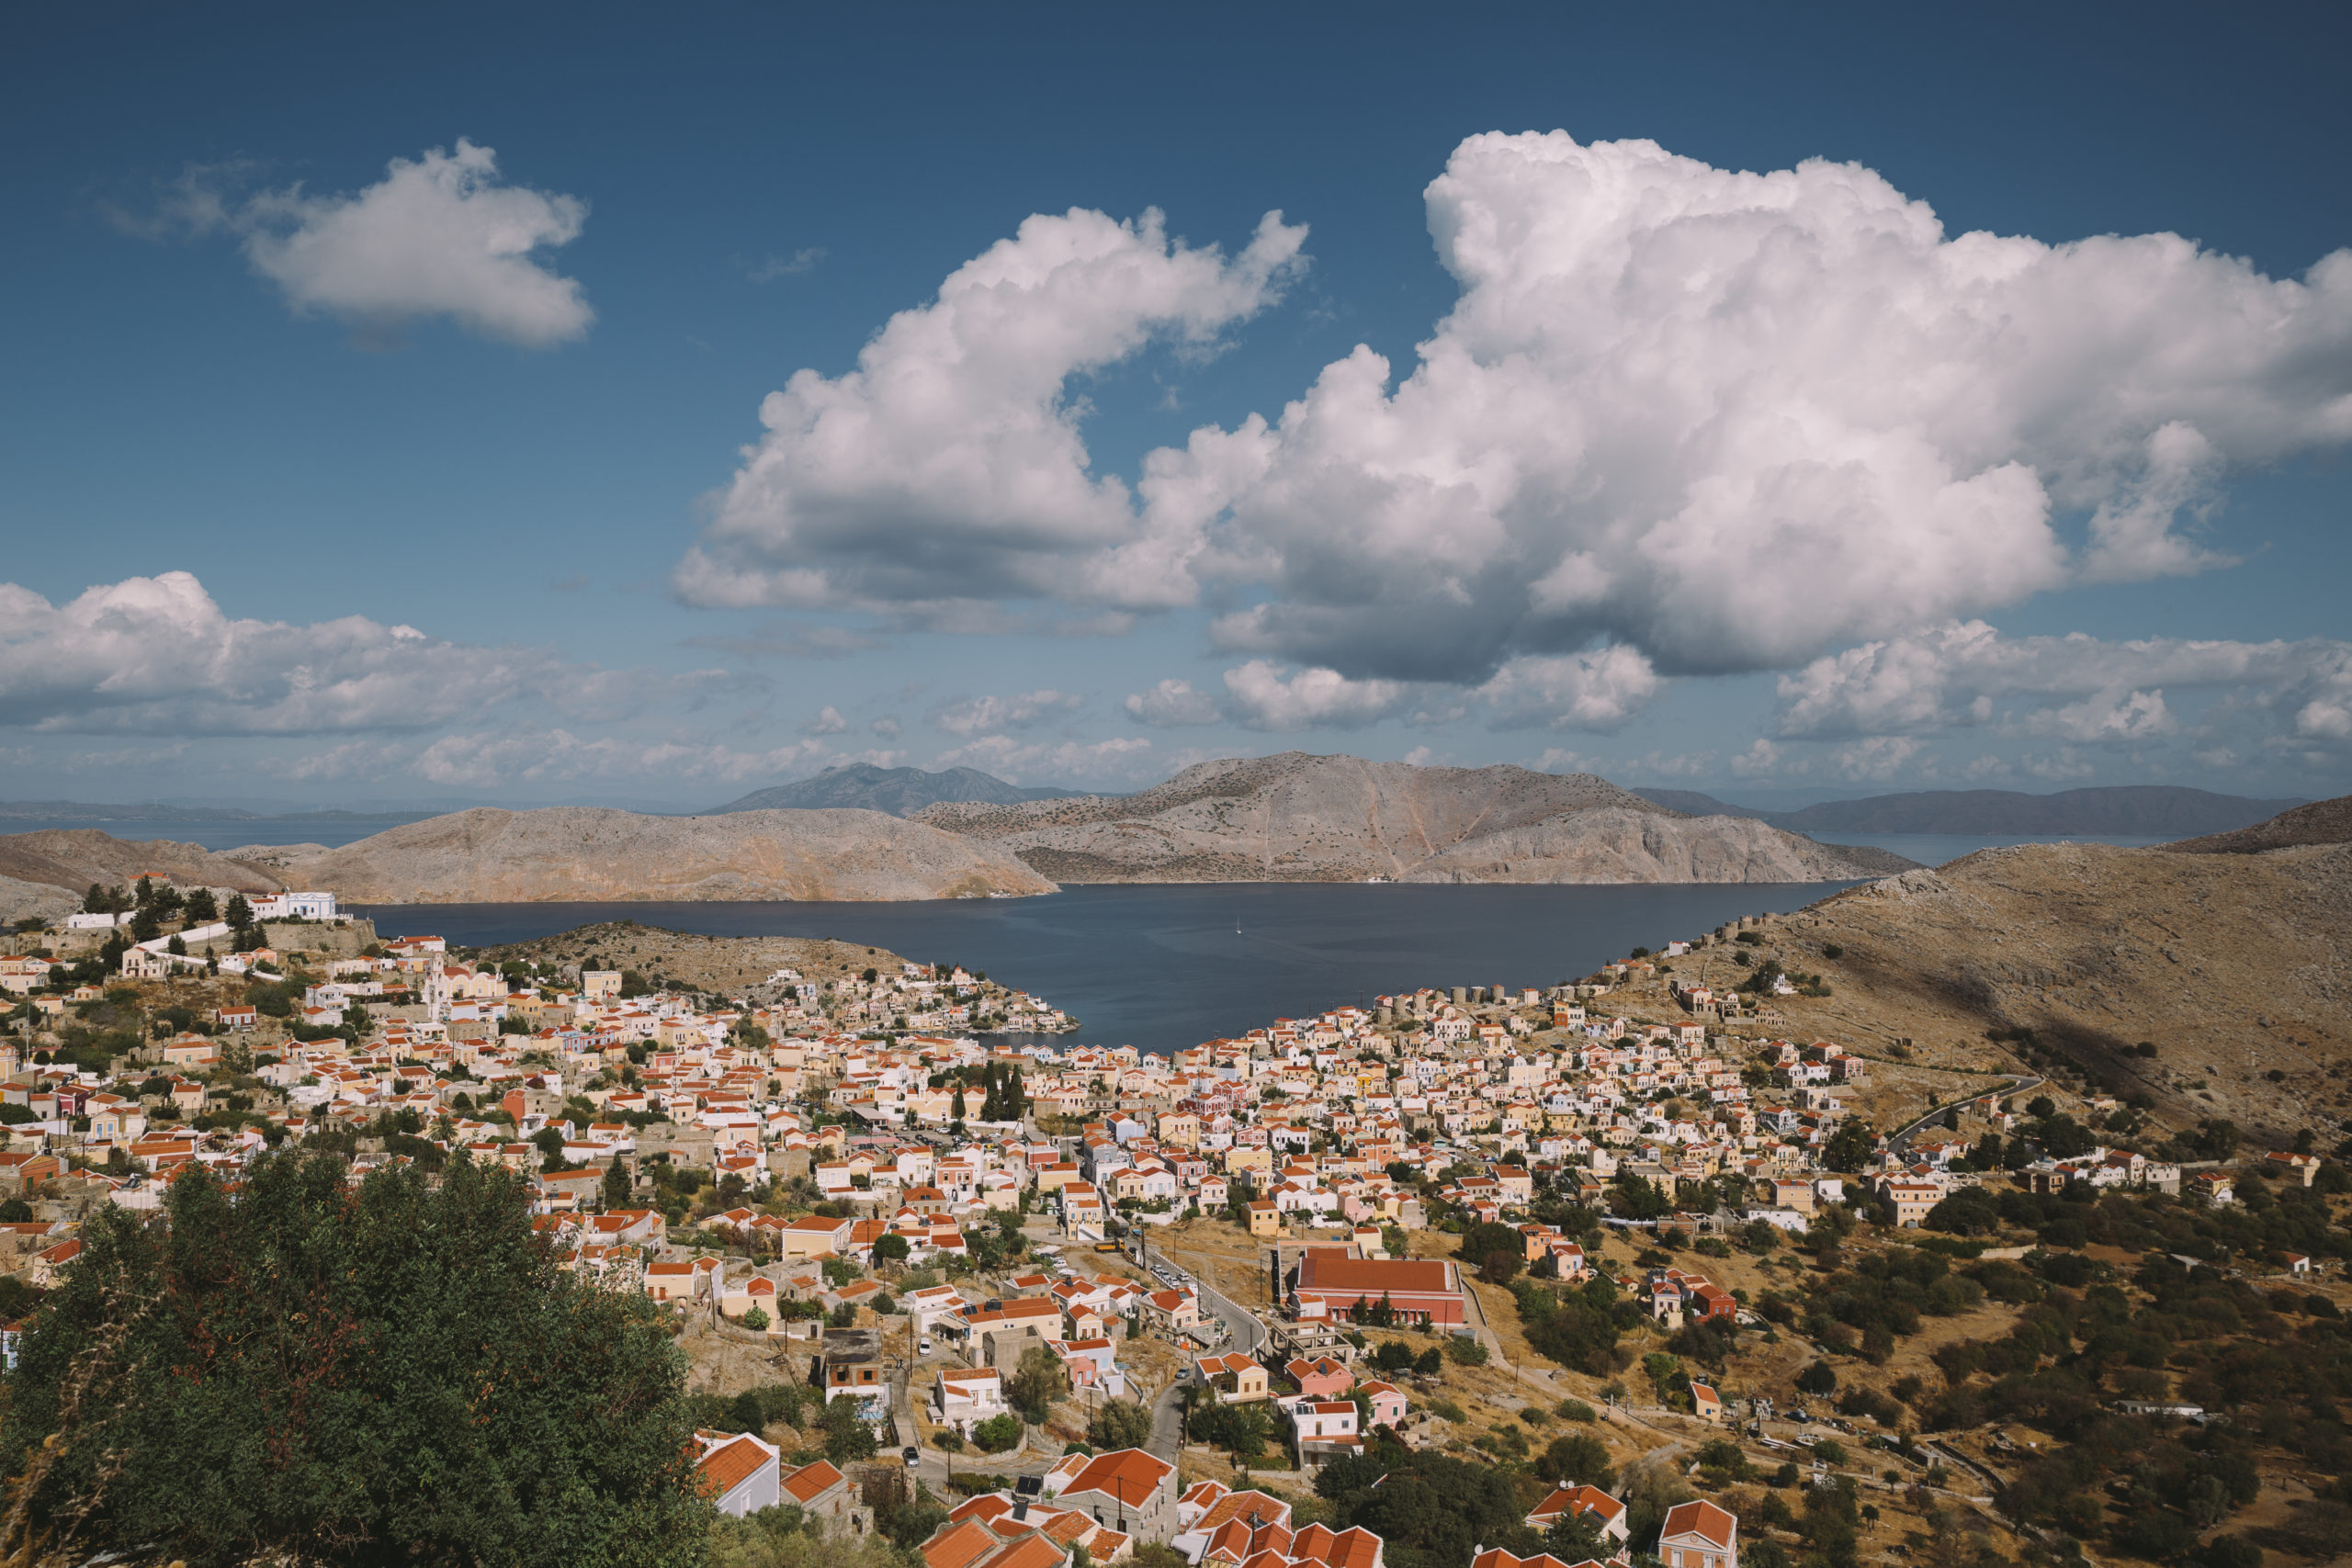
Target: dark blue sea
1164	968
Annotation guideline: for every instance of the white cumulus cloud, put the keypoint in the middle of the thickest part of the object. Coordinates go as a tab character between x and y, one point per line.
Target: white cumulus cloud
1722	420
948	467
158	656
968	717
1264	696
1597	690
441	236
1171	704
1734	419
2078	688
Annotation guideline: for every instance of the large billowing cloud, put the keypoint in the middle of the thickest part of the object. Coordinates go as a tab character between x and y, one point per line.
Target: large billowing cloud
1719	421
948	467
2078	689
1734	419
157	656
441	236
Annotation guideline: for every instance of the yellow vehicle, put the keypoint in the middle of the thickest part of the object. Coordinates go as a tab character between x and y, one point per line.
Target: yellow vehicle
1108	1246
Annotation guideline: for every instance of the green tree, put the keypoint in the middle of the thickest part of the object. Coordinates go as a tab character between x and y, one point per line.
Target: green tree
618	1186
1035	1384
849	1439
996	1434
202	907
1482	1240
305	1373
890	1247
1638	1198
1578	1458
239	914
1120	1424
1850	1146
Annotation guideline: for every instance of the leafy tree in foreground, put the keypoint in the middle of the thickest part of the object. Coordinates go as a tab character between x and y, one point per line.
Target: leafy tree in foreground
390	1373
1121	1424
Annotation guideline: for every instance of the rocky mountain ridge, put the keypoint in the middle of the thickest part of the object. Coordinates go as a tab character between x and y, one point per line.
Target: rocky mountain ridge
902	792
1298	818
2151	810
588	854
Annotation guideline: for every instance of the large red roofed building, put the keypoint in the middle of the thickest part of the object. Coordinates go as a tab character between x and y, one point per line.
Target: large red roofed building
1699	1535
1129	1490
1421	1291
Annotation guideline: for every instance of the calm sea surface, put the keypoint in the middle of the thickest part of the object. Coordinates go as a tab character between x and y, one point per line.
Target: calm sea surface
1164	968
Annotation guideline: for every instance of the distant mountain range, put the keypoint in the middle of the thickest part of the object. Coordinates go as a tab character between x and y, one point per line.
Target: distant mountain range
901	792
2136	810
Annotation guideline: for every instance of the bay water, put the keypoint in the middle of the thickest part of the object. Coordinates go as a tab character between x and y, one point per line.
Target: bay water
1166	966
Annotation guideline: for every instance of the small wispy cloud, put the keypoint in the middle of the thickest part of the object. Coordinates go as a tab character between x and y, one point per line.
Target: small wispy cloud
773	267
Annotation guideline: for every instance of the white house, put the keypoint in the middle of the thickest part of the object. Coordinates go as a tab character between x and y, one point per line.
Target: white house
289	906
737	1472
964	1397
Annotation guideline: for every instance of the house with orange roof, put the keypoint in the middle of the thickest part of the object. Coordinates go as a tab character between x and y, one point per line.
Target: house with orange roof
1129	1490
737	1472
1321	1378
1699	1535
1498	1558
821	1491
1607	1513
1236	1377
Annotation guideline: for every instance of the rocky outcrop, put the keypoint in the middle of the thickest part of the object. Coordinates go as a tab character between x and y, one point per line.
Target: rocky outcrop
1296	818
586	854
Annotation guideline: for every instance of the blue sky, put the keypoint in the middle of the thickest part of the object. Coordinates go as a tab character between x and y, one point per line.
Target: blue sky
1786	424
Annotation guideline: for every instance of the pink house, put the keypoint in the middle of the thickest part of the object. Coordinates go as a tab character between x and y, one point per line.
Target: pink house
1322	1378
1388	1402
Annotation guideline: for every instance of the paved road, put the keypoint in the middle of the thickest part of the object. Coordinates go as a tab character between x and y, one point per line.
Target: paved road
1901	1140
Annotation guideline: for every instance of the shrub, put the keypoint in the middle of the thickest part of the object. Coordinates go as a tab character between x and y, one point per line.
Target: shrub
948	1439
756	1321
996	1434
1576	1410
1818	1378
1465	1350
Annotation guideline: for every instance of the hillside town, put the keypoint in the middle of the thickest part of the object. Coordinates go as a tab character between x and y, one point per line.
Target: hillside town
934	1226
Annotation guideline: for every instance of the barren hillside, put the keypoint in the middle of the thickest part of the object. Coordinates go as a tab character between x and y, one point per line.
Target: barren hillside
2232	966
2321	822
585	854
45	874
1296	818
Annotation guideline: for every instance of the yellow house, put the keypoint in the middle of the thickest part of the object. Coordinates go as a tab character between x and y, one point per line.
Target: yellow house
814	1237
1239	1159
1180	1128
1265	1218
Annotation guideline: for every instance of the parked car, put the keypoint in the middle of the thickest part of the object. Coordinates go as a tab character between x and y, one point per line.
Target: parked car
911	1455
923	1346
